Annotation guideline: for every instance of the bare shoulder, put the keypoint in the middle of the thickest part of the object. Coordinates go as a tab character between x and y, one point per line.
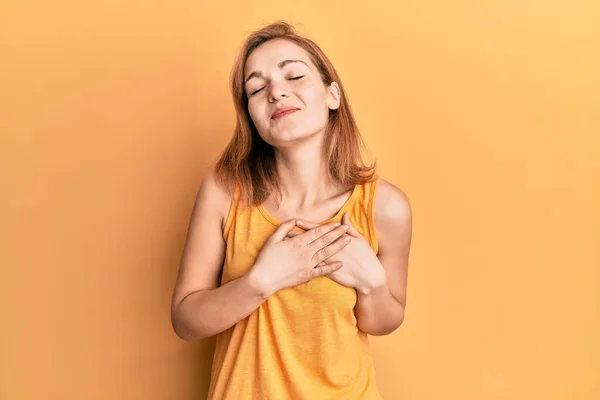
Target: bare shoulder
393	219
392	205
212	196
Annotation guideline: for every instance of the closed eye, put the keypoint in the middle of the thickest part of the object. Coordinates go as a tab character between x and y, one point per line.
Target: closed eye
291	79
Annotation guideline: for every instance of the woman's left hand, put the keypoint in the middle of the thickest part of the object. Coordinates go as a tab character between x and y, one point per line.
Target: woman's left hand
361	268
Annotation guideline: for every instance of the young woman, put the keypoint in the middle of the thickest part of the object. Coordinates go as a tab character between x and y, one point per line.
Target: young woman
296	249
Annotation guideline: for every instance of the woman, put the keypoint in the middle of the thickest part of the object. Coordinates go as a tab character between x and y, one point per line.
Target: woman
296	249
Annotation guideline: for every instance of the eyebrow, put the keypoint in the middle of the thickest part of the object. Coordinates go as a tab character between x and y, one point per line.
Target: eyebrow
258	74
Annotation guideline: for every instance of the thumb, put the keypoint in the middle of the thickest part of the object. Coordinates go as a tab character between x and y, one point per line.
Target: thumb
352	231
306	225
281	231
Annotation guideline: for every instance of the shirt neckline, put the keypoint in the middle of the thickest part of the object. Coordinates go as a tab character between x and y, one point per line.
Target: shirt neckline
337	216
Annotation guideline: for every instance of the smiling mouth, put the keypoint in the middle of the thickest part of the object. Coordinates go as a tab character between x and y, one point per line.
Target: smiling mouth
283	114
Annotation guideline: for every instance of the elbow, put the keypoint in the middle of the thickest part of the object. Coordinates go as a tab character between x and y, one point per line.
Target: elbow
184	331
186	324
183	334
382	328
379	330
178	329
187	334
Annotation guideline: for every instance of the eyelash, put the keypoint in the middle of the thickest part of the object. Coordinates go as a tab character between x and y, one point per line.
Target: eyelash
291	79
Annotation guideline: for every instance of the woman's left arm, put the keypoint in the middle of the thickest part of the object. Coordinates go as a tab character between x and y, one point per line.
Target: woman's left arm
380	310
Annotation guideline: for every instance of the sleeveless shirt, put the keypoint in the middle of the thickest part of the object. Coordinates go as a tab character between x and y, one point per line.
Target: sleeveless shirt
303	342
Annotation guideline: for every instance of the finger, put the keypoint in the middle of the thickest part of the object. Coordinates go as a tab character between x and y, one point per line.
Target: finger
352	231
326	269
312	234
330	250
328	238
282	231
326	262
292	234
307	224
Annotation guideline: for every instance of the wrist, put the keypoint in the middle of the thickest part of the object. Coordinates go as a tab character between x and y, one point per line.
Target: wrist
258	286
373	289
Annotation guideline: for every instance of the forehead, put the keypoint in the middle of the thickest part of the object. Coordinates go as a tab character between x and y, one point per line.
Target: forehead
272	52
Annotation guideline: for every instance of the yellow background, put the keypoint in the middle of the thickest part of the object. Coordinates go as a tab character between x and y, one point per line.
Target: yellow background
485	113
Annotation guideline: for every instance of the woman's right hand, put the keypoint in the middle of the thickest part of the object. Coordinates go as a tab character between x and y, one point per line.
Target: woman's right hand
285	262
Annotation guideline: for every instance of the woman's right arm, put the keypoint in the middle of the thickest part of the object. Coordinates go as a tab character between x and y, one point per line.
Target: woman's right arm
200	308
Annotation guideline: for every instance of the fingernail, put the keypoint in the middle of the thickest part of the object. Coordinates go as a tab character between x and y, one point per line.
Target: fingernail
347	238
346	227
337	224
299	222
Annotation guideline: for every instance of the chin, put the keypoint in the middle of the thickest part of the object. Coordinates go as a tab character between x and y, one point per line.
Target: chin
287	139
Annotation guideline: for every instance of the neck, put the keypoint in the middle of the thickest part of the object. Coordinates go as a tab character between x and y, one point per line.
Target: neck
304	180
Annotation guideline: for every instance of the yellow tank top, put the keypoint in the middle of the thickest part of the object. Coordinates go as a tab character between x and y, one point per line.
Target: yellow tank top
302	342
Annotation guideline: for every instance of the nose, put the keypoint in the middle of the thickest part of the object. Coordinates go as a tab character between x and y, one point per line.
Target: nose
277	91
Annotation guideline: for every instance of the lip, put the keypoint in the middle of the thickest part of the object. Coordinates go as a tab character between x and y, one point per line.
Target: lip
282	112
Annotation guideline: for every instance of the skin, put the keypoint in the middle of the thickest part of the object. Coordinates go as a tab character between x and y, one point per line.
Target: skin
297	138
307	196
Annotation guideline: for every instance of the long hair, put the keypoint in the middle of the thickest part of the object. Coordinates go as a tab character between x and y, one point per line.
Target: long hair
248	162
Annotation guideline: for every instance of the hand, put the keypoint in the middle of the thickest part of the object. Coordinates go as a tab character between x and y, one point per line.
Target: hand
283	263
361	269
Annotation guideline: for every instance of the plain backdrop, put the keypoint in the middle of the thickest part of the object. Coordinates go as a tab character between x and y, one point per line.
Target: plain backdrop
485	113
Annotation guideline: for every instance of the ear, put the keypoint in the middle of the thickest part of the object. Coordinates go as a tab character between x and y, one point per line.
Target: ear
333	96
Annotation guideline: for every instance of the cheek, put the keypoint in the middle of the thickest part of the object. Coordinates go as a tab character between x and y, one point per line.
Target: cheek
255	112
314	98
316	105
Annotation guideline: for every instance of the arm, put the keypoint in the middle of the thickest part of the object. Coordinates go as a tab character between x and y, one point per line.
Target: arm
205	313
380	310
200	308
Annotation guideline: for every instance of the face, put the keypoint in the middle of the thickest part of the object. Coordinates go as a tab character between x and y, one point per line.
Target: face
279	75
